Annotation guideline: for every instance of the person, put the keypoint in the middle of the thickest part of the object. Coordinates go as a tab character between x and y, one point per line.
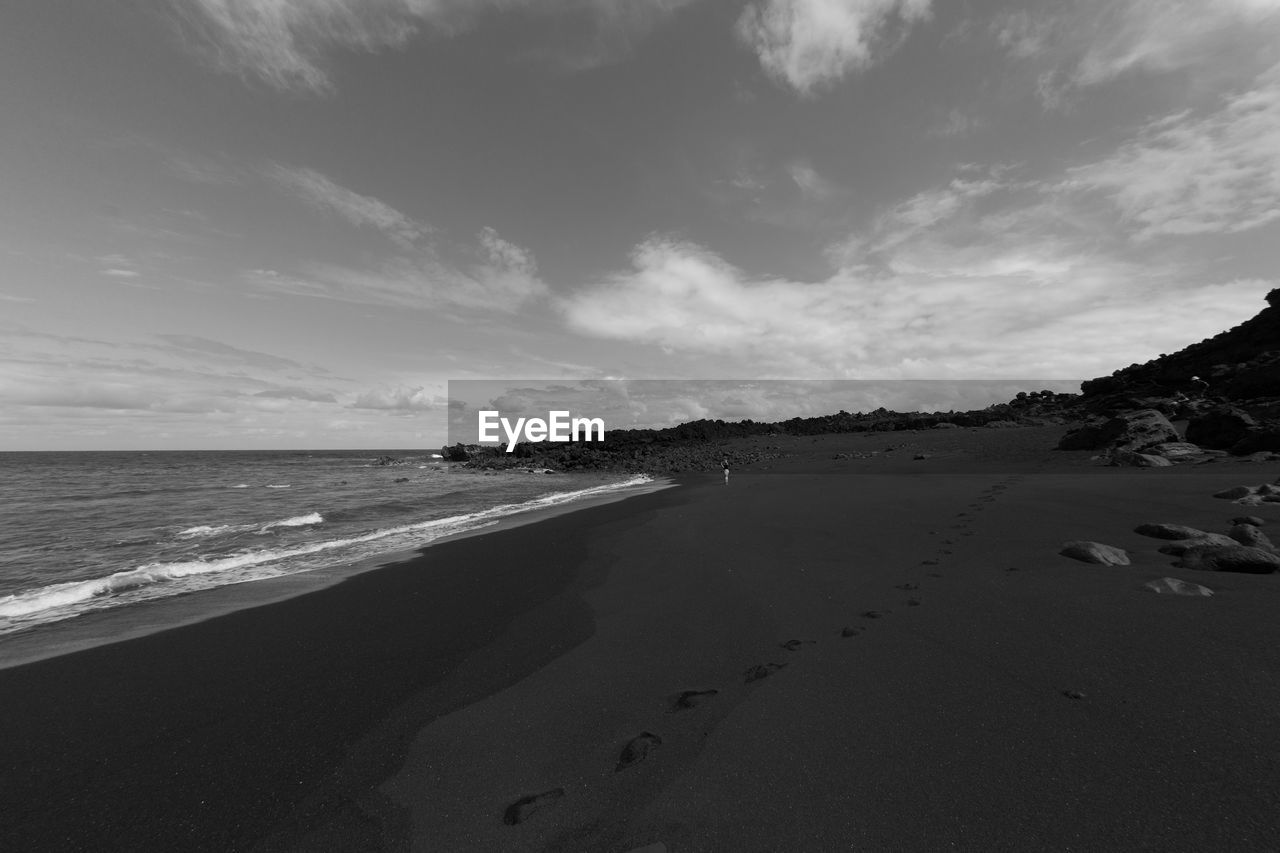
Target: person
1199	388
726	469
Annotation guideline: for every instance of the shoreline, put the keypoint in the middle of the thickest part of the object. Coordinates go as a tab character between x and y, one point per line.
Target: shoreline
407	709
103	627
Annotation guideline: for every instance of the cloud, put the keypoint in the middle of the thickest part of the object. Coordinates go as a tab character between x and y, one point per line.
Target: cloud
501	277
120	273
811	45
1084	43
985	276
7	297
296	394
399	398
284	42
320	192
203	347
1189	174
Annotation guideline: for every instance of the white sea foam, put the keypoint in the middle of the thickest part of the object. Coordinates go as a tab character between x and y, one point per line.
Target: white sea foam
296	521
61	600
279	486
241	486
202	530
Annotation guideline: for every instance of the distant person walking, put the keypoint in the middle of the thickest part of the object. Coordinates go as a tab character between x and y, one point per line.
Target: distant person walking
1199	388
726	469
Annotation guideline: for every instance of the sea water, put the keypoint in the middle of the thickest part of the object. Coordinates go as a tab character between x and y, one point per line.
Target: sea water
92	531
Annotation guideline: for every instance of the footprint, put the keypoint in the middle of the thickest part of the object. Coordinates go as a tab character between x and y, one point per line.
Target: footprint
1073	694
876	614
913	602
935	574
928	562
523	808
1013	569
691	699
761	670
907	586
850	631
794	645
637	749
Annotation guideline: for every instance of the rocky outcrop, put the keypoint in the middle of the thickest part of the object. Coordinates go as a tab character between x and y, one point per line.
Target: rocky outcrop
1238	412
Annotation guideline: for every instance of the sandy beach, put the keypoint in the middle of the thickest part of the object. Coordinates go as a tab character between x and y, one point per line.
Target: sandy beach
825	653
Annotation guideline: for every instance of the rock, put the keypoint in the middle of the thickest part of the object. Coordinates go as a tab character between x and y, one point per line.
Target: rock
1257	440
920	456
1178	547
1220	428
1137	460
1249	534
945	425
1230	558
1234	493
1173	586
1178	451
1135	430
1095	552
1169	531
1248	519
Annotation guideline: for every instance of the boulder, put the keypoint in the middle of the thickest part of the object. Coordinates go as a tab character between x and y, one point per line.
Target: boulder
1230	558
1248	519
1251	535
1178	451
1234	493
1170	531
1261	439
1173	586
1128	458
1095	552
1220	428
1178	547
1135	430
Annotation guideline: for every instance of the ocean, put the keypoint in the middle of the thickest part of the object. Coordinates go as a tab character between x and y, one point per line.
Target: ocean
86	532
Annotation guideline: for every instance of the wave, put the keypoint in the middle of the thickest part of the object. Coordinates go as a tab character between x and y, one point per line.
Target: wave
277	486
66	596
296	521
204	531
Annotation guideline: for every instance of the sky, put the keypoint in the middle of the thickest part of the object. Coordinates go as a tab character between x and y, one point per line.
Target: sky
289	223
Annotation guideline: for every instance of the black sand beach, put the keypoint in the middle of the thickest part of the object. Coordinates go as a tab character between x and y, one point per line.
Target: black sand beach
900	660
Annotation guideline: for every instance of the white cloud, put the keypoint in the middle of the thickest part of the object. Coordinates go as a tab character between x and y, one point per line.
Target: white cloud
810	45
1188	174
284	42
1083	43
321	192
983	277
120	273
400	398
503	278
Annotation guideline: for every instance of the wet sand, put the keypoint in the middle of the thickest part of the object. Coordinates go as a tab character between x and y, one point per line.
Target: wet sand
876	653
